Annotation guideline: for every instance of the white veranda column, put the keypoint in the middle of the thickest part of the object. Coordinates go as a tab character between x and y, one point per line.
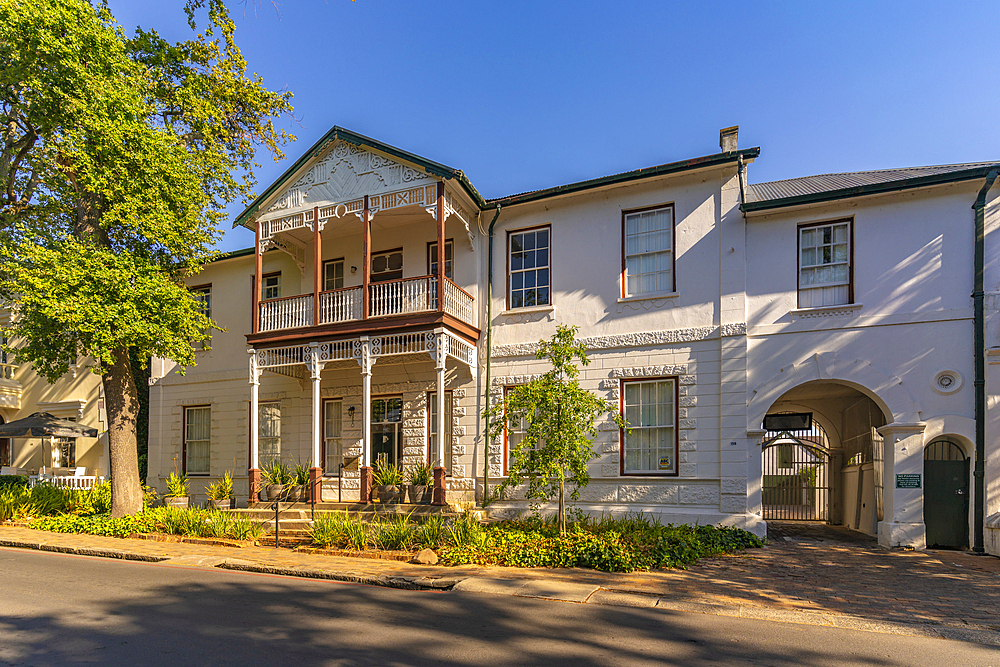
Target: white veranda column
441	352
316	371
366	360
254	402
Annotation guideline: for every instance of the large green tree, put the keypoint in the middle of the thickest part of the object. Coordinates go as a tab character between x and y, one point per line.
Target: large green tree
119	155
558	418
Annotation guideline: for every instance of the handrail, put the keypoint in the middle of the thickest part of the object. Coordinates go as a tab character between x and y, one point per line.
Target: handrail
456	286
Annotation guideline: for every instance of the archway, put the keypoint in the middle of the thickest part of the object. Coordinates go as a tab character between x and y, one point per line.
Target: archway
796	481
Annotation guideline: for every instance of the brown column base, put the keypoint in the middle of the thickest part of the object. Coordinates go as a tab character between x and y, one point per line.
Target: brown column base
366	484
439	487
254	485
315	485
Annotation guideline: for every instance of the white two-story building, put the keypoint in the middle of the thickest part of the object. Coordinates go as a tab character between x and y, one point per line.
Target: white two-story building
800	349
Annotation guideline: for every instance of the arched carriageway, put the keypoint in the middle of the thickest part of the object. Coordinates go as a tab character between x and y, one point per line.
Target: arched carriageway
821	456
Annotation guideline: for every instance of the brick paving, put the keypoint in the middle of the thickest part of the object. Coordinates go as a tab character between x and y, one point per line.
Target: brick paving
807	568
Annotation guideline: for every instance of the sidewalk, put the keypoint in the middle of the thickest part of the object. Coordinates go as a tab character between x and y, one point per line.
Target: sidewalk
818	576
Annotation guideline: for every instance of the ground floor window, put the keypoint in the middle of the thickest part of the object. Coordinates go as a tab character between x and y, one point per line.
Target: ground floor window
386	420
269	431
515	432
432	423
333	442
197	440
650	442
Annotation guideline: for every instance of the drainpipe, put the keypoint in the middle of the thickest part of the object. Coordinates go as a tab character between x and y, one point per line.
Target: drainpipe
489	359
978	297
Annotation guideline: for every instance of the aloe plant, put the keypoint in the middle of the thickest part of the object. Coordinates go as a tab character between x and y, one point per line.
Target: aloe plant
177	486
301	474
420	474
387	474
275	472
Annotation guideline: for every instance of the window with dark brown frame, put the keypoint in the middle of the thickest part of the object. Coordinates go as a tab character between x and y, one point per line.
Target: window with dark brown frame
649	406
197	440
432	428
432	259
387	265
825	264
529	280
648	251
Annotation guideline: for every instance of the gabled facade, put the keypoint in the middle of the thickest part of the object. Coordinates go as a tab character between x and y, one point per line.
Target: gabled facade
386	302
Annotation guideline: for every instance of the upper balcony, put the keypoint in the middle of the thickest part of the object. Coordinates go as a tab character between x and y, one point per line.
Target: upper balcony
367	243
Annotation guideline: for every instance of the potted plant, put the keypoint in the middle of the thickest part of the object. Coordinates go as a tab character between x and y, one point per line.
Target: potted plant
220	494
300	483
276	476
177	491
387	480
421	482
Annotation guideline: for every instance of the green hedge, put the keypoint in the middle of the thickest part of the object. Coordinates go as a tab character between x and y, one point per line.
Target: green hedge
13	480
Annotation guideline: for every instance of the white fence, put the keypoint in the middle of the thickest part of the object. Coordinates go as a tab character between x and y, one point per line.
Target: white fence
78	482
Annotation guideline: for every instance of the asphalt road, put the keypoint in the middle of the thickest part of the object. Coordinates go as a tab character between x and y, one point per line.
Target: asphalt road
58	609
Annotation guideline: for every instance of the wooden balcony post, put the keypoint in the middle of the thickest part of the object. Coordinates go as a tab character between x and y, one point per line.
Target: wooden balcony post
258	269
317	265
366	266
440	246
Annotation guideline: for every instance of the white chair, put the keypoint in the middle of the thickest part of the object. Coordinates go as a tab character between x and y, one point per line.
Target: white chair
80	472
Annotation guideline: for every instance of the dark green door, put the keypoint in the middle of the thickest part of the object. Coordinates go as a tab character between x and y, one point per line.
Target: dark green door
946	496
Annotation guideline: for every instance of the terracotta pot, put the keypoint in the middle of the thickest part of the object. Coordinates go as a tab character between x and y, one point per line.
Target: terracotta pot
180	502
387	494
275	492
419	494
296	493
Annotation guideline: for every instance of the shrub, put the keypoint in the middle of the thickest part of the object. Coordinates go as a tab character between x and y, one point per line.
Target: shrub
466	530
386	474
328	530
301	475
394	533
430	533
420	474
223	489
275	472
13	480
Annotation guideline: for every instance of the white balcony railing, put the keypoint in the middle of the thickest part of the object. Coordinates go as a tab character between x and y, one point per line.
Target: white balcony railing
341	305
400	297
7	371
396	297
286	313
459	303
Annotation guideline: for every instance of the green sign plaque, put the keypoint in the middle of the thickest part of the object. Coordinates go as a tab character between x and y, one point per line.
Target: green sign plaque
908	481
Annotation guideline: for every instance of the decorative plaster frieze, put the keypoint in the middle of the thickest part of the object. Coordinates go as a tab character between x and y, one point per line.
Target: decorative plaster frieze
640	339
648	371
514	380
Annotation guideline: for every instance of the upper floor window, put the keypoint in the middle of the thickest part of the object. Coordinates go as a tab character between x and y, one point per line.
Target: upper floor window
197	440
649	251
825	264
272	286
333	274
432	259
528	264
387	265
203	298
649	446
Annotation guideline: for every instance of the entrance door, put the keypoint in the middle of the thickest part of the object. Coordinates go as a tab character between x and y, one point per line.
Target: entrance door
387	414
946	495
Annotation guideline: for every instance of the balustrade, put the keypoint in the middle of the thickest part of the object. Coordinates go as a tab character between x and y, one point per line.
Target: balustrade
286	313
7	371
341	305
400	297
459	303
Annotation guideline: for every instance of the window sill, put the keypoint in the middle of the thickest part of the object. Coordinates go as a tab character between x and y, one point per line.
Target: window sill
827	311
527	310
648	297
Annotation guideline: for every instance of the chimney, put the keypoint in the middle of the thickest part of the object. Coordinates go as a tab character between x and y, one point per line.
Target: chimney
727	138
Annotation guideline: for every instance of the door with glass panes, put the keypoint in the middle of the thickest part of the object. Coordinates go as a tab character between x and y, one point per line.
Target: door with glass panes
387	416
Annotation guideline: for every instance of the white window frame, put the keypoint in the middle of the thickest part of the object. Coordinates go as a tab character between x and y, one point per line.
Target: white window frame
268	430
655	246
826	254
191	444
664	424
517	278
272	286
202	294
327	278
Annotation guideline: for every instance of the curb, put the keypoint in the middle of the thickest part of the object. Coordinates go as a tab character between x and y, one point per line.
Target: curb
120	554
405	583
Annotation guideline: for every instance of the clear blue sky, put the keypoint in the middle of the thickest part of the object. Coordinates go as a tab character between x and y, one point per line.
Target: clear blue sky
526	94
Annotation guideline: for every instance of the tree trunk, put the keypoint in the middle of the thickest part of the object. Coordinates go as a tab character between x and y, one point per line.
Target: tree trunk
122	400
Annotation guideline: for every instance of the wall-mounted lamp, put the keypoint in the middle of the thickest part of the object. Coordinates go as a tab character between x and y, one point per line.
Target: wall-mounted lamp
354	269
350	410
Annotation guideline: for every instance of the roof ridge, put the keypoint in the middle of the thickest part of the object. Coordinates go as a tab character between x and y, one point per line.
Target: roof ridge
880	171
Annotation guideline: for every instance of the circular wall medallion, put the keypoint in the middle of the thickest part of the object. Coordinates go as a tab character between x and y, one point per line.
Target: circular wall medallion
947	382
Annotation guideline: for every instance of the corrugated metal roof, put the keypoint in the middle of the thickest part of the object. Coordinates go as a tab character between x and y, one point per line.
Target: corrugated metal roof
831	183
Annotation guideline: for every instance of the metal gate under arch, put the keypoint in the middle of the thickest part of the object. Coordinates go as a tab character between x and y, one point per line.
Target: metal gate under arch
796	480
